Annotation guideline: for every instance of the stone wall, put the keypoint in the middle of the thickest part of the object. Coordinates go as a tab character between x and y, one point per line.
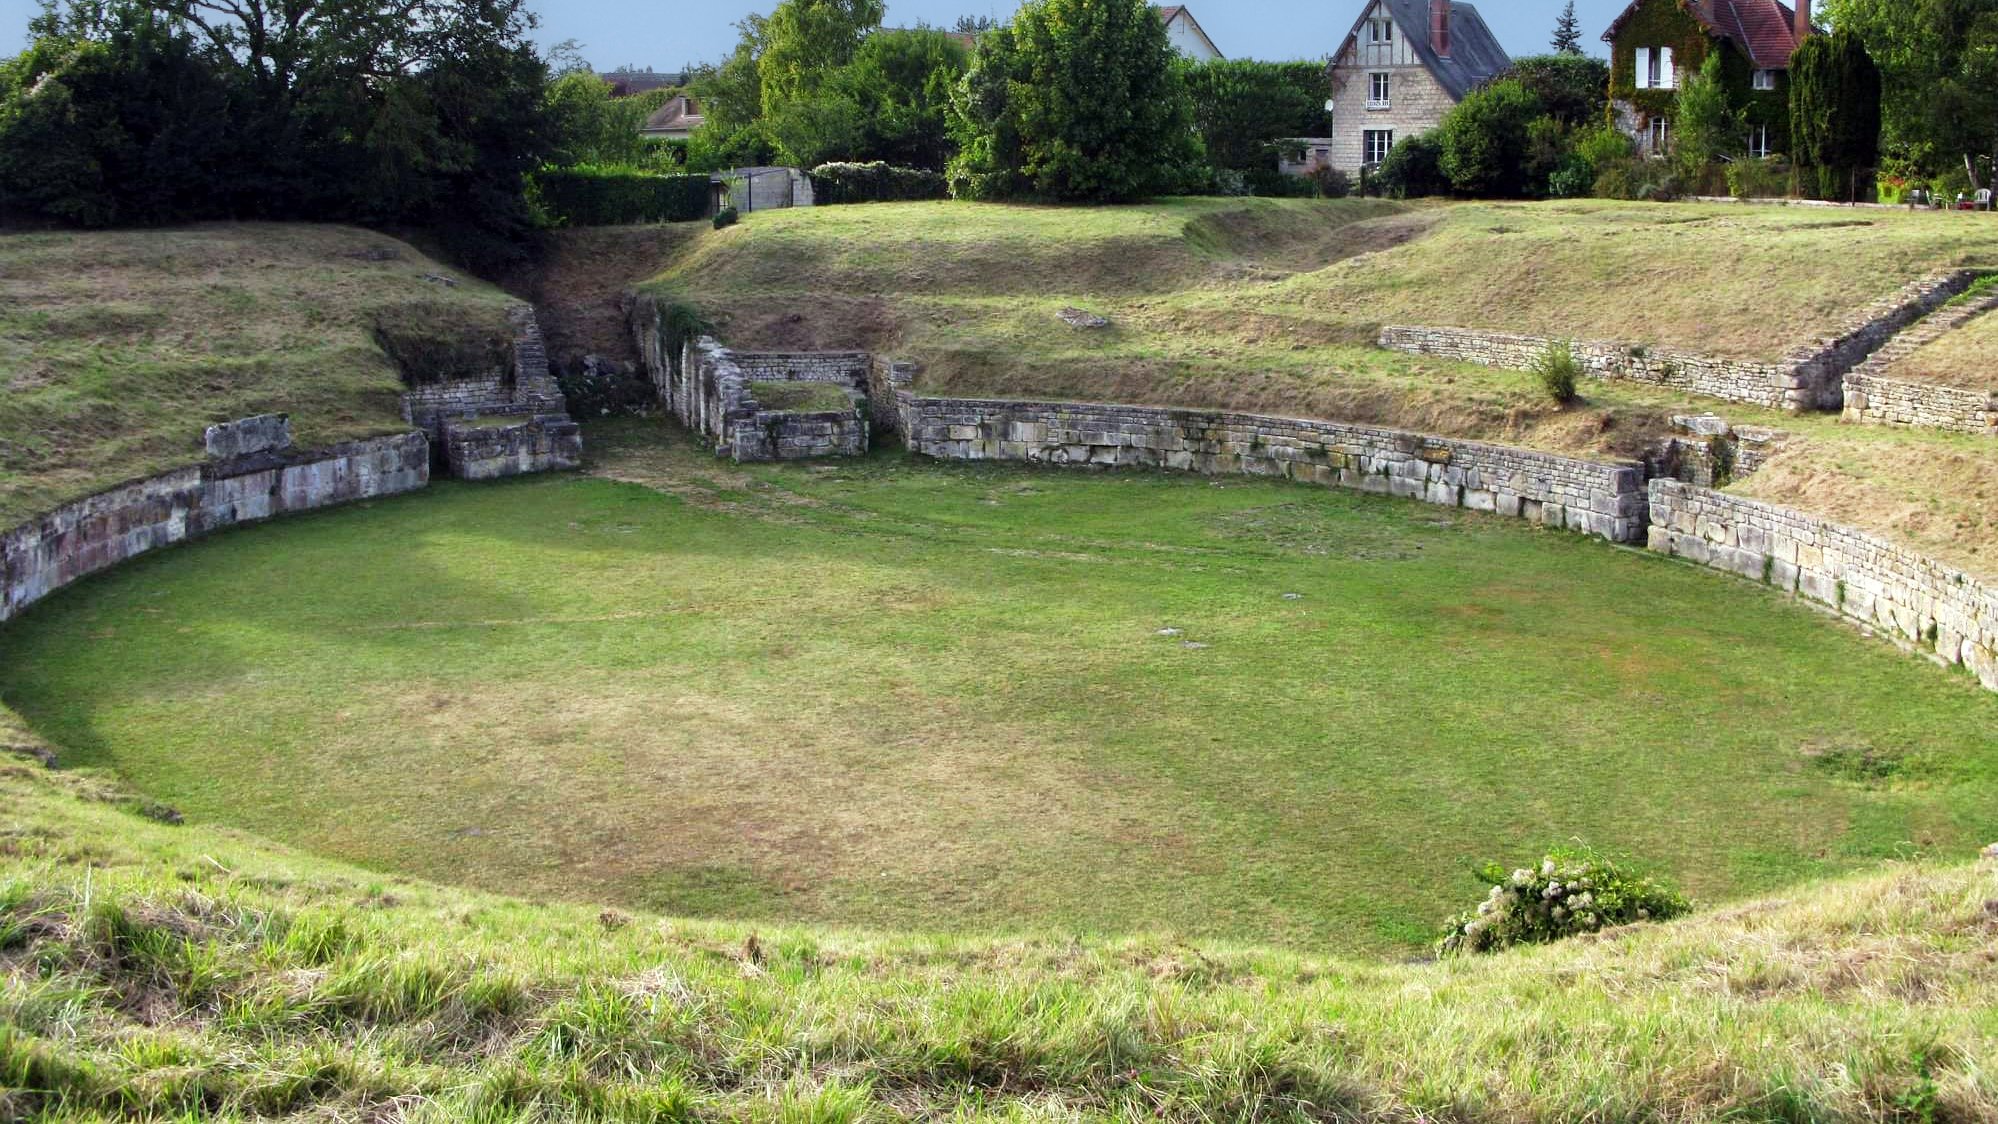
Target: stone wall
265	433
525	389
1809	378
1600	499
78	539
785	435
1917	600
708	388
849	369
477	450
1878	400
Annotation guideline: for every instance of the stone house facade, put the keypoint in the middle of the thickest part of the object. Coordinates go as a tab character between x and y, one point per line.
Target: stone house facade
1405	64
1656	44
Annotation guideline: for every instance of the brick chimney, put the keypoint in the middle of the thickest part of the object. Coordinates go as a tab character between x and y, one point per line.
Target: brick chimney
1439	27
1804	28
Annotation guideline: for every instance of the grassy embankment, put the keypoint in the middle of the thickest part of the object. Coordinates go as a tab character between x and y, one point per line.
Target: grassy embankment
923	696
157	973
1273	305
117	349
1966	358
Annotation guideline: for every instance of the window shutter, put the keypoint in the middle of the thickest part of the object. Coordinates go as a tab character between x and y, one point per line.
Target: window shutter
1644	68
1670	76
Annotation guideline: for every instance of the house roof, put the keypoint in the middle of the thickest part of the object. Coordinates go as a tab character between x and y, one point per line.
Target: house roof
1170	12
1765	30
679	114
1475	54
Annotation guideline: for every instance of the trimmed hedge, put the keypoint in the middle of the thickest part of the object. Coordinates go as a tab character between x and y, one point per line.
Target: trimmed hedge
874	183
596	195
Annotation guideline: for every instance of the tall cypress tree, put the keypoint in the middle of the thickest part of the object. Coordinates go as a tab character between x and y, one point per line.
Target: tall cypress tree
1568	32
1835	115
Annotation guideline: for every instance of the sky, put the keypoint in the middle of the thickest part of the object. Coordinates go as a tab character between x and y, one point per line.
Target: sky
669	34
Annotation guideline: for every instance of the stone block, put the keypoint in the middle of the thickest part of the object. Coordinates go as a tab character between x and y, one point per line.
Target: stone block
265	433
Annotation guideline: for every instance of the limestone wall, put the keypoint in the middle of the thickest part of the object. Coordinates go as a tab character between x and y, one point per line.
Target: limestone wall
708	388
1879	400
524	389
783	435
1811	377
485	451
1917	600
849	369
1595	498
78	539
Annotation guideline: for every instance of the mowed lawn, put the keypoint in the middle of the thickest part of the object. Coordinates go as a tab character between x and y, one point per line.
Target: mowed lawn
902	694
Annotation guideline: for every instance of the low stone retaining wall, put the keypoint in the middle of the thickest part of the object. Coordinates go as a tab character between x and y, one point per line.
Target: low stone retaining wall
1596	498
708	388
485	451
849	369
1878	400
1809	378
527	389
787	435
1919	601
78	539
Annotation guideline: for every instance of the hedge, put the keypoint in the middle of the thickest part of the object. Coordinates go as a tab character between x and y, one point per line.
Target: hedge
594	195
874	183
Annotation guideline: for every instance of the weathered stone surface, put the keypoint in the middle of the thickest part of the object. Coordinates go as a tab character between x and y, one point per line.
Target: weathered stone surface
1078	318
1604	499
265	433
1809	378
525	390
708	387
1917	600
81	538
545	443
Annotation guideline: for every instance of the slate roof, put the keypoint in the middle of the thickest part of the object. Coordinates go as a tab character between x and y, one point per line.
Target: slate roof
677	115
627	82
1765	30
1475	55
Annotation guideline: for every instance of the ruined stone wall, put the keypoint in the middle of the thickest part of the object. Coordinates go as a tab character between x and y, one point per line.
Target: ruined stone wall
1809	378
709	391
545	443
524	389
78	539
1596	498
1917	600
1878	400
784	435
838	368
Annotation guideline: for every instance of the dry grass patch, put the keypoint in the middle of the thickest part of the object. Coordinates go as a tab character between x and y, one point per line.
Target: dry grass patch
1966	358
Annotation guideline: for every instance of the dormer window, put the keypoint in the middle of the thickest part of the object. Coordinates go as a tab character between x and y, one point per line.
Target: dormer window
1765	79
1380	31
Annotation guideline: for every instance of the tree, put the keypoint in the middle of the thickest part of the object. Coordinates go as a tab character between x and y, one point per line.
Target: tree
1708	127
1568	32
805	41
1241	106
1413	169
1835	113
1936	61
1573	89
1486	140
1074	100
974	25
901	82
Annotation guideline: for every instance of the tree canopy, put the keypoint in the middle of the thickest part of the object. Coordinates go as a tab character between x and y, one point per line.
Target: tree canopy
1835	112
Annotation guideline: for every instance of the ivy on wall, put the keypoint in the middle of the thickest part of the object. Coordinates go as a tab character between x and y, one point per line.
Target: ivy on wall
1669	23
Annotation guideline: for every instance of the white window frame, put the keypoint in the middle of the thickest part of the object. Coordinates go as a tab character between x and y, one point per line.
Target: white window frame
1654	69
1660	132
1758	142
1764	80
1380	90
1380	29
1369	138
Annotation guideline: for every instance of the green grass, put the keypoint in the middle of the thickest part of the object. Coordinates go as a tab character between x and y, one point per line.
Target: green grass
153	973
802	397
920	696
117	349
1966	358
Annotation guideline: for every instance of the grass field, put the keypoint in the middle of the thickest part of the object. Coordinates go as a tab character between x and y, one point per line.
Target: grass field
117	349
1966	358
919	696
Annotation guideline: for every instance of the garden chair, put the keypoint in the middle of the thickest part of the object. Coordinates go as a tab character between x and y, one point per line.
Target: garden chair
1983	200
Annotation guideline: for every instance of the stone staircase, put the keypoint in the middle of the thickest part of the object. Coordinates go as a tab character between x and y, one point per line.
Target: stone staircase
1928	330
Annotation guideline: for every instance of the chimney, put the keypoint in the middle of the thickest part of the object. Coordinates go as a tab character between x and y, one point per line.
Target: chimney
1439	27
1804	28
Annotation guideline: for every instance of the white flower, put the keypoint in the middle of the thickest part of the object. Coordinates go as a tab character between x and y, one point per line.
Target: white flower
1521	877
1484	907
1560	914
1547	868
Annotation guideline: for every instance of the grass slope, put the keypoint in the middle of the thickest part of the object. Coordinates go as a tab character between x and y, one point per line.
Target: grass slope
153	973
927	696
117	349
1273	306
1966	358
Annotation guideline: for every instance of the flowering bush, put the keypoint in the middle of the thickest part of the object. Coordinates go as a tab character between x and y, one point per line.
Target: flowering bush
1572	892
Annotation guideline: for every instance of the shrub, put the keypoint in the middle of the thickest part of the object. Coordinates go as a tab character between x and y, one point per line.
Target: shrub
615	195
1559	371
1270	183
1758	179
1333	183
1573	892
1573	178
1413	169
1241	106
874	183
1485	140
727	216
597	388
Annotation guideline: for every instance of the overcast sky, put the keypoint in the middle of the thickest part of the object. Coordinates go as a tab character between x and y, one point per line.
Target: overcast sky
668	34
